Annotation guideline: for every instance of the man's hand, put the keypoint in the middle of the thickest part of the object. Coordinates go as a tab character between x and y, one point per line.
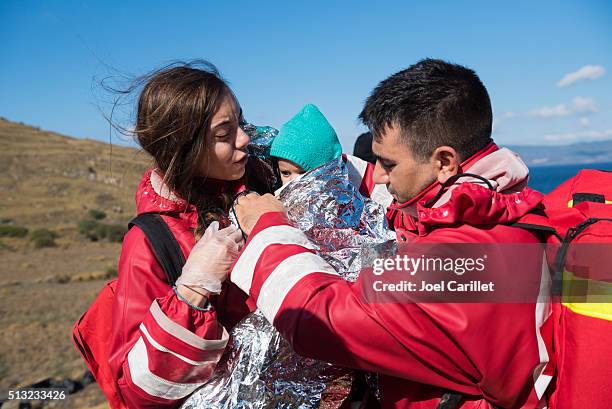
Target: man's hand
249	208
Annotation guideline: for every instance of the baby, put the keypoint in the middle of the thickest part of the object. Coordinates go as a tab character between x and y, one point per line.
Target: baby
305	142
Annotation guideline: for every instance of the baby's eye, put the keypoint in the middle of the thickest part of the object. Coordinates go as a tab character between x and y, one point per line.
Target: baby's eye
285	173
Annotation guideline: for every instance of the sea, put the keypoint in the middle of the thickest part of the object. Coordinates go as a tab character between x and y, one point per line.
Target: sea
546	178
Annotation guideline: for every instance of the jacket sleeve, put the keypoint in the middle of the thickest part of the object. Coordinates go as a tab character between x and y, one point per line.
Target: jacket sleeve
326	318
161	350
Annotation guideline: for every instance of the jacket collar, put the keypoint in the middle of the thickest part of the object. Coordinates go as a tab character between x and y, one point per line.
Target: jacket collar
503	198
152	196
430	191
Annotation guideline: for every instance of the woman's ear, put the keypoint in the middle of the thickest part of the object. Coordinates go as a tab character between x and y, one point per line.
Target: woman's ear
445	160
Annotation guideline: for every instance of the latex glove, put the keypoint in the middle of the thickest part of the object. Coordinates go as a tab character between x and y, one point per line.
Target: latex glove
212	256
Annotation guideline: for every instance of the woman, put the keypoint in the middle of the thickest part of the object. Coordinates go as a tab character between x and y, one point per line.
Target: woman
167	340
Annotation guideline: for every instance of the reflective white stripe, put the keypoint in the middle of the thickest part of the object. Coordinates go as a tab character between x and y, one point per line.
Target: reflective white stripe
138	362
242	274
356	168
542	311
161	348
285	276
184	334
541	384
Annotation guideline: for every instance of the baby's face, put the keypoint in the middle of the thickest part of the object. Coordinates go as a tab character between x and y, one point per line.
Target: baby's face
288	170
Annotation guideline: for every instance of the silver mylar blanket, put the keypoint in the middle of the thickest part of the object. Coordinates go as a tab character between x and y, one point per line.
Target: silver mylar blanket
258	369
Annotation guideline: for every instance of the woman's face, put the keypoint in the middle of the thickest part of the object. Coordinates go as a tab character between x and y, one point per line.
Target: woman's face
226	155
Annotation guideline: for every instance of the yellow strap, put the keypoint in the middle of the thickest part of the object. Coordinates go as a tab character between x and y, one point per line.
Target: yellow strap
571	203
590	307
588	304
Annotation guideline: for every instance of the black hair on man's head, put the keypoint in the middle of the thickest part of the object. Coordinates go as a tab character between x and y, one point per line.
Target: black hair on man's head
435	103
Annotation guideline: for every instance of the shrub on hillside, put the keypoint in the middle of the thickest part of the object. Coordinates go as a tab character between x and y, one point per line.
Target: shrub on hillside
12	231
95	231
43	238
88	229
96	214
112	232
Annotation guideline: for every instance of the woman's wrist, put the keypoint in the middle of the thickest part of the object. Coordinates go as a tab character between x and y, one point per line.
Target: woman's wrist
195	296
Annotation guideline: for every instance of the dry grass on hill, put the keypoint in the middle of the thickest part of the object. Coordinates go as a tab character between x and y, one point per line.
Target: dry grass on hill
50	181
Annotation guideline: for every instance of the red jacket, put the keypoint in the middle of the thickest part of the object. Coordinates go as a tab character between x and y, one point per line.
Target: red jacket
496	351
161	349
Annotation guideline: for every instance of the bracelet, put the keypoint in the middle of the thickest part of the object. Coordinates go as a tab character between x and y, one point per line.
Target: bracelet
195	307
195	291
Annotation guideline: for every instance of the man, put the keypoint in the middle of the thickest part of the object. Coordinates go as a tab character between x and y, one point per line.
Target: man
431	125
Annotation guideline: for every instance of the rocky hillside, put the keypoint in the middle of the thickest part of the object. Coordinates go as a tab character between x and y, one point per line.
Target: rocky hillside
50	179
51	271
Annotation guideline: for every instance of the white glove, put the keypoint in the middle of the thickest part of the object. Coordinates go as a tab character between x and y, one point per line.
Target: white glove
212	256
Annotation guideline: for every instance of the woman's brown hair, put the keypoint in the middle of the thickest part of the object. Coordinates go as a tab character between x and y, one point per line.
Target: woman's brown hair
173	116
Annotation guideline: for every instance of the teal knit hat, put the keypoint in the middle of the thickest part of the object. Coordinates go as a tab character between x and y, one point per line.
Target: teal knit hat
307	139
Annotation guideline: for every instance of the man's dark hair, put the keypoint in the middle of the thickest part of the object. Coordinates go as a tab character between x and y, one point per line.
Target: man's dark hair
435	103
363	147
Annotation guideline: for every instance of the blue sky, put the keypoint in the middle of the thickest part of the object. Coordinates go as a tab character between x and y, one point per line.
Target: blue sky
281	55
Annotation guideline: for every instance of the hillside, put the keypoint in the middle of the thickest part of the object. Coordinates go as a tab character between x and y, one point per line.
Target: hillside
52	181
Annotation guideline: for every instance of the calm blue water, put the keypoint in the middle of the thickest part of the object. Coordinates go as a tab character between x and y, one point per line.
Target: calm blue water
546	178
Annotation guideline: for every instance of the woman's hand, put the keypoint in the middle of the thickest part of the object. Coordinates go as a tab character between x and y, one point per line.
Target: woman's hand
210	260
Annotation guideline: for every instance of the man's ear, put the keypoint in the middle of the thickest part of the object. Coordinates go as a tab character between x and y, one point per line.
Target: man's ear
445	161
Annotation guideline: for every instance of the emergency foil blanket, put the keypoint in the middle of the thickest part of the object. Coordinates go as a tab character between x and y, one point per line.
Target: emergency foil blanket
259	369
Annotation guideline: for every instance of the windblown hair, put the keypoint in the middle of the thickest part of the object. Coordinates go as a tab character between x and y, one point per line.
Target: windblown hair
435	103
173	116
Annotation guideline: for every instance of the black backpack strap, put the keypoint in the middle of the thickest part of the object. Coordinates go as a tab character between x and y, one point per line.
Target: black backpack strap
450	400
537	222
537	228
164	244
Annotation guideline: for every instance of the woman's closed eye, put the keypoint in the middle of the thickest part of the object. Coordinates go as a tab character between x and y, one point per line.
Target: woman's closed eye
222	131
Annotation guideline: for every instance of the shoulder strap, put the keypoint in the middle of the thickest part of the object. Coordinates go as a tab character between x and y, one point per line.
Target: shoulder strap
538	222
541	229
164	244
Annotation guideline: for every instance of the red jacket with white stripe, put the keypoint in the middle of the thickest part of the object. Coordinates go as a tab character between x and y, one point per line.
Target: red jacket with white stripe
161	349
493	354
